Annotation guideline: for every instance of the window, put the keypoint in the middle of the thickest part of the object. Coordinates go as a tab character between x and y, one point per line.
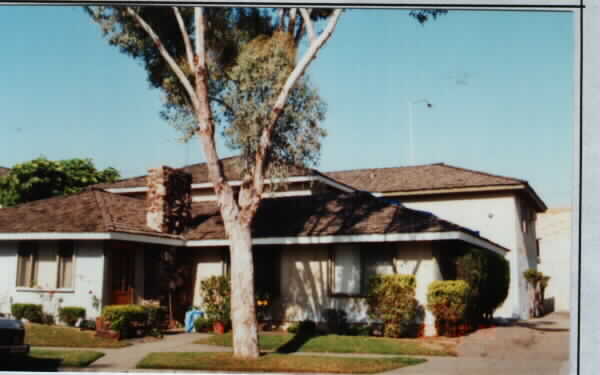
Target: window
354	265
27	264
64	261
347	270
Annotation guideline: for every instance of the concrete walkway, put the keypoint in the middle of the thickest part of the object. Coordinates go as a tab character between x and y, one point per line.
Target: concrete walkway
125	359
538	346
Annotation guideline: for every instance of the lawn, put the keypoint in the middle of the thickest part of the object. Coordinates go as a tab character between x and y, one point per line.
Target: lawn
45	335
288	343
273	363
50	360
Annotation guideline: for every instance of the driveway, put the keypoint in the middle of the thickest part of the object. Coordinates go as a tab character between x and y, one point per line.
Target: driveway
537	346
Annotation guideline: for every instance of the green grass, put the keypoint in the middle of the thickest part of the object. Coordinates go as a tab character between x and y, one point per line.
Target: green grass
45	335
273	363
49	360
287	343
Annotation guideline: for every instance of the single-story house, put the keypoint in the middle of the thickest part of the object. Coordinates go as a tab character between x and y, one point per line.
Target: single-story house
316	241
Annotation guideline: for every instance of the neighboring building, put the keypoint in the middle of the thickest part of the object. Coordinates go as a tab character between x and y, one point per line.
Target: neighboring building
316	242
501	209
554	236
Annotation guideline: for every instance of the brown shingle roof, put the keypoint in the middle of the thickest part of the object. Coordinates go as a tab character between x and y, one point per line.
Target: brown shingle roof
322	215
87	212
421	177
429	178
4	171
231	168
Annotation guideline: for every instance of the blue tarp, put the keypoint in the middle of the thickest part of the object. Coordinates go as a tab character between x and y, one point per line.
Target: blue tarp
190	318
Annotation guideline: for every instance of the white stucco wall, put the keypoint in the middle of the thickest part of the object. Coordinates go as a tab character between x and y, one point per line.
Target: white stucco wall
88	272
304	283
554	231
497	218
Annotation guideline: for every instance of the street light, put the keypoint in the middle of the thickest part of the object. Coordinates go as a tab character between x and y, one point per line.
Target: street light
410	125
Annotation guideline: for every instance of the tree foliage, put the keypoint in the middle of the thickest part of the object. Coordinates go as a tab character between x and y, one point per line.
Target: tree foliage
42	178
251	52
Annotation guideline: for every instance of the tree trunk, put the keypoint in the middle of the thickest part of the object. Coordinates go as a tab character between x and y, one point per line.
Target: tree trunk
243	310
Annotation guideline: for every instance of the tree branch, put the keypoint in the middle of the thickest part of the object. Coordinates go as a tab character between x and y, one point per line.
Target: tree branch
223	192
266	135
310	29
186	39
168	58
292	22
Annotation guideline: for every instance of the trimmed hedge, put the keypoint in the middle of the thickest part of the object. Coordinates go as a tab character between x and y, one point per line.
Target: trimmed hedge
29	311
447	301
70	314
391	299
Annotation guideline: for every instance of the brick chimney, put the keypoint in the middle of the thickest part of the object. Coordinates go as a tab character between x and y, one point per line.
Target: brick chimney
168	200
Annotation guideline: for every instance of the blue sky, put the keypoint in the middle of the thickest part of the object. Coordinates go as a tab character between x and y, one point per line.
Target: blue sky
500	83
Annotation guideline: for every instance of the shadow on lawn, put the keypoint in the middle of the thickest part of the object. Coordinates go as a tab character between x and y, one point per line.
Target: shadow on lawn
295	343
27	363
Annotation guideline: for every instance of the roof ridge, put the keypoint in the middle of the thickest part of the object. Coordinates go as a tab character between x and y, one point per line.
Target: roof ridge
106	216
382	168
482	173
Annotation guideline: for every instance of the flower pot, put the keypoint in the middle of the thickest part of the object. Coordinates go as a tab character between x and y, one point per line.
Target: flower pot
219	328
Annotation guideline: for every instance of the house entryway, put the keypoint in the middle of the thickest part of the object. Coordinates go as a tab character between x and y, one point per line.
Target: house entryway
122	274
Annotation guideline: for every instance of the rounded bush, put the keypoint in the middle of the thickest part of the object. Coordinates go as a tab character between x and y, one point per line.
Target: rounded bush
391	299
29	311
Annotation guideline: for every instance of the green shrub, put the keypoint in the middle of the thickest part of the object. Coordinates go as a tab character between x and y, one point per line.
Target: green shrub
29	311
488	275
203	324
123	317
70	314
155	315
447	301
391	299
216	292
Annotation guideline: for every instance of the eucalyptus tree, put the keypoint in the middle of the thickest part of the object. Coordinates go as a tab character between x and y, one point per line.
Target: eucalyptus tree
240	71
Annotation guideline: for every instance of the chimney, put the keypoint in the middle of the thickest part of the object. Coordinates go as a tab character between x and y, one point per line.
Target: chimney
168	200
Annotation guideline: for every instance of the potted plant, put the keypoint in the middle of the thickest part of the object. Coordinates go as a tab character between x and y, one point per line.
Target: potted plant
216	293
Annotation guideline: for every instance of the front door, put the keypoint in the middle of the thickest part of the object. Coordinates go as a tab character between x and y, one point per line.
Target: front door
123	275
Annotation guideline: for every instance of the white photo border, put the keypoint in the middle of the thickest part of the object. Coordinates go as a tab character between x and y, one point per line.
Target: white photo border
585	257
